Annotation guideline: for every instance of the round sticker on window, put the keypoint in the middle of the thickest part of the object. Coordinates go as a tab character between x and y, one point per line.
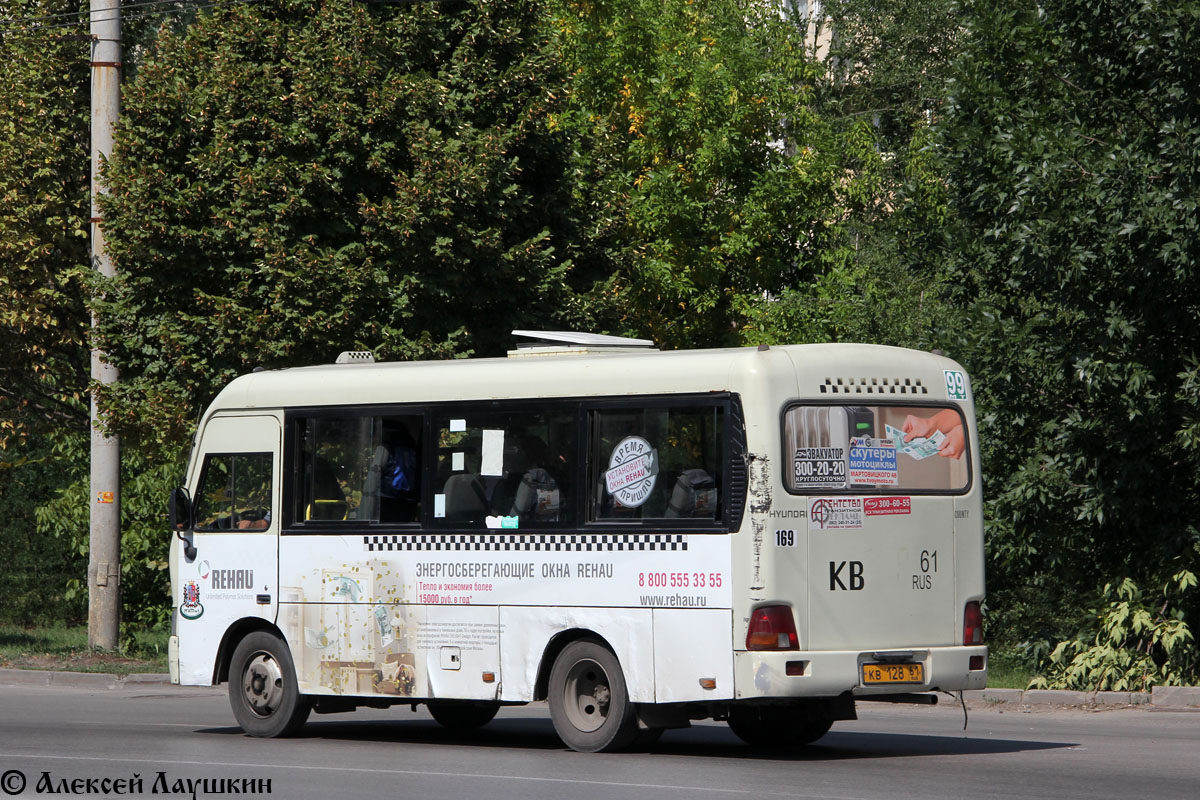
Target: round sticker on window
632	471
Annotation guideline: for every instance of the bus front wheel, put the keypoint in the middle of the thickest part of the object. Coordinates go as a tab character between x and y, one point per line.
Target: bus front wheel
589	703
262	687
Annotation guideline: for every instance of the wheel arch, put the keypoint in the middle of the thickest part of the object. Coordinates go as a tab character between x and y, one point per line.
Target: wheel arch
541	687
229	642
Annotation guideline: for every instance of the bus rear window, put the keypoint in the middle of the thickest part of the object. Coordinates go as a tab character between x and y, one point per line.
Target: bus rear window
875	448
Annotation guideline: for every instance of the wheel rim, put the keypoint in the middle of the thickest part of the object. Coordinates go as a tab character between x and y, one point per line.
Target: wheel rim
587	695
262	684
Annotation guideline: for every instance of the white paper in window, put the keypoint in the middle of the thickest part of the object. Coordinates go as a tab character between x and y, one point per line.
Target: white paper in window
439	505
493	452
457	425
458	462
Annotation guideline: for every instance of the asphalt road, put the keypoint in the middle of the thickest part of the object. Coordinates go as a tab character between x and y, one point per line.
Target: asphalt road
62	737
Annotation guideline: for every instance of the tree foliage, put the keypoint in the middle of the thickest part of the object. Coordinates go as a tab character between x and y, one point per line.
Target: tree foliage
883	67
297	178
44	210
886	62
36	568
1013	184
44	263
1141	642
1072	146
709	180
61	525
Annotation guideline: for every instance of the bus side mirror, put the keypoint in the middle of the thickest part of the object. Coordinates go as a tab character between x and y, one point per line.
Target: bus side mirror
179	515
179	510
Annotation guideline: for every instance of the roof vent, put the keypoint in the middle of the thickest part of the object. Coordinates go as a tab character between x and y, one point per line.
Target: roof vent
574	342
355	357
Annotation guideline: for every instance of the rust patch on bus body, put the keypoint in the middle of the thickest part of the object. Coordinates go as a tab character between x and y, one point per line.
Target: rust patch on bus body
759	504
760	498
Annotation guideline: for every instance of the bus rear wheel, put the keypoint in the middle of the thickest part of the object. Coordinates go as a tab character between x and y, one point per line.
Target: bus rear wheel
763	726
589	703
263	692
463	716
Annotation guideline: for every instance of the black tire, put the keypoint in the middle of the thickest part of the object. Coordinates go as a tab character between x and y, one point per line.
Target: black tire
763	726
463	716
589	704
262	687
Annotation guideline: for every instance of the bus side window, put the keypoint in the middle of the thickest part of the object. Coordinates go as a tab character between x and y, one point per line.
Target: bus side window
234	492
392	492
657	463
359	469
506	470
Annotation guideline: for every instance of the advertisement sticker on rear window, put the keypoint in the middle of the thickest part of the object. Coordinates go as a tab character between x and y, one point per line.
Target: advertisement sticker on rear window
819	467
873	462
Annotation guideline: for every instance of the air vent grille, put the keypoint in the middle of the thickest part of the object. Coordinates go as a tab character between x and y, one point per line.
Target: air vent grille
739	478
874	386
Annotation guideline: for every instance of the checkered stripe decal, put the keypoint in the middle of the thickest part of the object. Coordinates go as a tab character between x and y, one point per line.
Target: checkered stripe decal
564	542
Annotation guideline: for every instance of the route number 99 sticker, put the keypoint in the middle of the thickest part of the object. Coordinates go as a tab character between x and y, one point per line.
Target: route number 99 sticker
956	384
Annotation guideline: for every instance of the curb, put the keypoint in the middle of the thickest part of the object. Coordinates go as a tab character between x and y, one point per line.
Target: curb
80	680
1159	698
1188	696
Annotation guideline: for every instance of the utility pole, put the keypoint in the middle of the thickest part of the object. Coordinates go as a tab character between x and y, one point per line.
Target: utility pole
104	559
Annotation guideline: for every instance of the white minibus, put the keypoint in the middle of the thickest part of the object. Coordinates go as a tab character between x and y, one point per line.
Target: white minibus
763	535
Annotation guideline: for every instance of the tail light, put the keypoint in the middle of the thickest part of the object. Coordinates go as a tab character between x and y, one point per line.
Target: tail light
772	628
972	624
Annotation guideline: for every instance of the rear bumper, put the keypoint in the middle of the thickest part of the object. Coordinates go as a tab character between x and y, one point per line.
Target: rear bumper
829	673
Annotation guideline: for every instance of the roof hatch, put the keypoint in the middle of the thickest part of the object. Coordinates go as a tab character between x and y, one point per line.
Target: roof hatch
545	343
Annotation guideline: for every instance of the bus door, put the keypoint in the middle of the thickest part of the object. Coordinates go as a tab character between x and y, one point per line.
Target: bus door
878	485
235	511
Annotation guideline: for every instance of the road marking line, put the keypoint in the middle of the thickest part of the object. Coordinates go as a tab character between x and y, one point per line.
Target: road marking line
119	725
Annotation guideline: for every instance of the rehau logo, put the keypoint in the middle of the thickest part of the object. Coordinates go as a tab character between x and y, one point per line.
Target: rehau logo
232	578
855	576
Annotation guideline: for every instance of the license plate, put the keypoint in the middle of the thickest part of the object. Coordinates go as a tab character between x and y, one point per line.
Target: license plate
893	673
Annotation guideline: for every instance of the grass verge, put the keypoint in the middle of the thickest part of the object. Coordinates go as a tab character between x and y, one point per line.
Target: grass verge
1008	669
65	648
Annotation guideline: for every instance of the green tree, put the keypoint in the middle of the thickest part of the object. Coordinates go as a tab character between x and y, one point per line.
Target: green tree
886	62
44	263
1072	150
36	569
880	88
44	209
295	178
711	182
